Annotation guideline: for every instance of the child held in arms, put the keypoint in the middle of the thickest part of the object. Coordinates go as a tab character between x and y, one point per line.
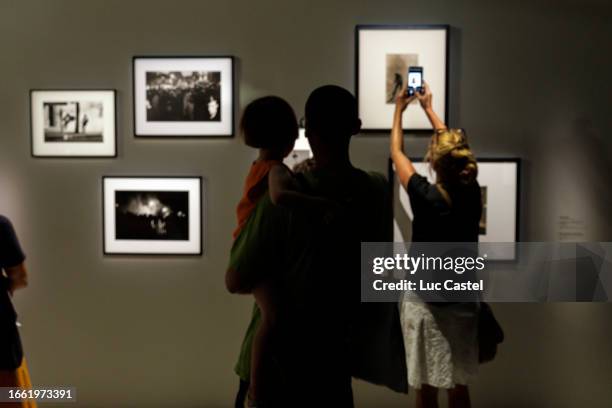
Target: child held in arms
270	125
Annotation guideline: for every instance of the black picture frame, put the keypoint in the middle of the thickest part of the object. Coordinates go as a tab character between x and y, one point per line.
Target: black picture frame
234	93
390	27
201	202
516	160
52	157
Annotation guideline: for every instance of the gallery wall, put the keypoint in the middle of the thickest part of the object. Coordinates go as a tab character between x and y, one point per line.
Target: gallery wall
528	80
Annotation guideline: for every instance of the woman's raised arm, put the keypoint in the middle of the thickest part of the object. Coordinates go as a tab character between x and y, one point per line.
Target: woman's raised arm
403	166
425	101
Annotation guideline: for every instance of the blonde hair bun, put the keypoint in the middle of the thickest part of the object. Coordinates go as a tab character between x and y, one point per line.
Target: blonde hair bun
451	158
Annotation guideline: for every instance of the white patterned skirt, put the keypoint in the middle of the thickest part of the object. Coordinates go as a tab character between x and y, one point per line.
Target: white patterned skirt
441	342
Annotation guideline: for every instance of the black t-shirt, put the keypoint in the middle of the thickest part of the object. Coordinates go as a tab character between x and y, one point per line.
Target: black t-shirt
10	255
435	220
323	254
320	286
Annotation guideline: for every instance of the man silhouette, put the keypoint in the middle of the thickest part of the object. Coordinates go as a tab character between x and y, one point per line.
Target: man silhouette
319	343
321	308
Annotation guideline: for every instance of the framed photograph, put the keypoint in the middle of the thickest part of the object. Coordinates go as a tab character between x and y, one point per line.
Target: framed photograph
152	215
73	123
383	56
301	151
499	181
183	96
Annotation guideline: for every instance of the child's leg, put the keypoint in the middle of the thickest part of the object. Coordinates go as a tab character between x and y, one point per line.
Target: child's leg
261	368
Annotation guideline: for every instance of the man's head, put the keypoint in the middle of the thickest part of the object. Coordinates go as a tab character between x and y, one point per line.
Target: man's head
331	118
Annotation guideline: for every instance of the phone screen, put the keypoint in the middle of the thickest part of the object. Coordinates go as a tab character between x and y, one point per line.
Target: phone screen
415	80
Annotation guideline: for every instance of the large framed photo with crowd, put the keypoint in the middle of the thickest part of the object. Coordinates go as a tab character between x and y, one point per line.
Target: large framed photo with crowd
383	55
183	96
73	123
499	180
152	215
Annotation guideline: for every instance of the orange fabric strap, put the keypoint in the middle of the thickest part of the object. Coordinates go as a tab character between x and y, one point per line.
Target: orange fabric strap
254	187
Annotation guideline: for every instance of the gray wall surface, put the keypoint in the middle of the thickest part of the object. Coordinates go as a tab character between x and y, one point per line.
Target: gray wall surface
530	79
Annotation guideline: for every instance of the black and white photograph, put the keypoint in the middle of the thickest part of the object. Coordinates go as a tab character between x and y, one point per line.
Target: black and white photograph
301	155
183	96
499	185
152	215
397	73
75	123
383	55
155	215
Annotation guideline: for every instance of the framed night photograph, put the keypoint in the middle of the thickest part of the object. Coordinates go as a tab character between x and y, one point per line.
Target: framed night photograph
152	215
183	96
73	123
383	56
500	191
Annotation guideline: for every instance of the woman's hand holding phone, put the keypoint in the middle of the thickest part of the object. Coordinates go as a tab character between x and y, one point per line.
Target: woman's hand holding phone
403	99
425	97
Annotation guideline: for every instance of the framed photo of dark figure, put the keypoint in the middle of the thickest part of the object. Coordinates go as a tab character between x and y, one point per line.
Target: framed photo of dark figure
152	215
183	96
73	123
383	56
499	180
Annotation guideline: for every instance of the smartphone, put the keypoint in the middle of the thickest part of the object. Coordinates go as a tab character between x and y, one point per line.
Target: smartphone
415	80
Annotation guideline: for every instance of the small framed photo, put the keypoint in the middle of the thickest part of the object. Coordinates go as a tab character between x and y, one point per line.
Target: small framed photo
301	151
183	96
152	215
73	123
499	181
384	55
